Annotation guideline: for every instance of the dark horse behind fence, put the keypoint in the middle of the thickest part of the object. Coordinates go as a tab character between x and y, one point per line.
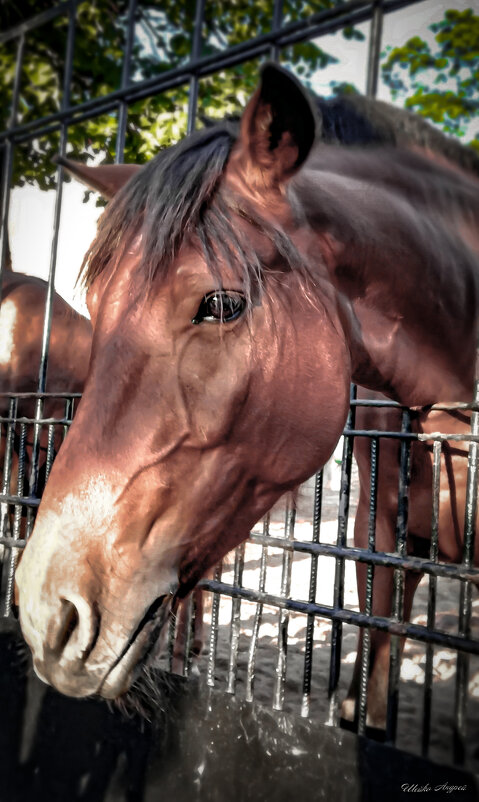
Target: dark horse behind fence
21	322
21	328
25	460
238	284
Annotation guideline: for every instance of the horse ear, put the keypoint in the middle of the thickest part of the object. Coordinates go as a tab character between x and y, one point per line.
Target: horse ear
107	179
278	128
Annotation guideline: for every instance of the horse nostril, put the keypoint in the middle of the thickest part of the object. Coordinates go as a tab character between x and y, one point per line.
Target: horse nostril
73	631
69	623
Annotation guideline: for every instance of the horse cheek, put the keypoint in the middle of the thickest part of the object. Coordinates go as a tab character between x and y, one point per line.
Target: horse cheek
214	376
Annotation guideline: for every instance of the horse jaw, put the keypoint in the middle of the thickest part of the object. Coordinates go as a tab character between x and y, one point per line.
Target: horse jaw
130	514
186	433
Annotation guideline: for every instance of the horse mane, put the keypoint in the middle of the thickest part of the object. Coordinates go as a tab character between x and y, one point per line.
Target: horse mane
402	128
353	119
177	195
432	186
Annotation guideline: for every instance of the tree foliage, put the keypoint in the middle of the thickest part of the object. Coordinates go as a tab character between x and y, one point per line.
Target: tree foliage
440	82
163	40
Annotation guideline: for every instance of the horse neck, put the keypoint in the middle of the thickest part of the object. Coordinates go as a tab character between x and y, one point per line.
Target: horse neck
407	282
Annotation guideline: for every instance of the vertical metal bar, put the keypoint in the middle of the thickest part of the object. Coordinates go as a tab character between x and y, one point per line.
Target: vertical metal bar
283	615
7	166
125	80
4	506
17	521
215	612
189	635
69	412
276	25
431	604
195	54
22	441
47	323
235	621
42	375
257	617
7	464
368	607
313	581
34	465
374	52
399	579
338	602
170	642
50	450
464	628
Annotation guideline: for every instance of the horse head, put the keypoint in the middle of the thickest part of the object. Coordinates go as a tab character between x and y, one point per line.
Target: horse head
218	380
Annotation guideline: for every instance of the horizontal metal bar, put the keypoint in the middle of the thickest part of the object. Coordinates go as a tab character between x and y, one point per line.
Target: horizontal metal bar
411	563
39	421
337	21
25	501
467	437
441	437
36	395
315	25
375	402
35	22
356	402
414	631
12	543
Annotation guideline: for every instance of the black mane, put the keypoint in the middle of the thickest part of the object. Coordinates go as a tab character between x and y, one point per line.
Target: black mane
162	201
176	195
353	119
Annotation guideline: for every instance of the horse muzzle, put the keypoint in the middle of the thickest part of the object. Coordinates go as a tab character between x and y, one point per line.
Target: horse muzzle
80	657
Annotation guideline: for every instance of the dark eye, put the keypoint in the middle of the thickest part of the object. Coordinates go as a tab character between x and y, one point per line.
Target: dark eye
220	307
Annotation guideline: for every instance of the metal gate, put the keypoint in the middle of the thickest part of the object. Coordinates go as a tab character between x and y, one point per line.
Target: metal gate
325	625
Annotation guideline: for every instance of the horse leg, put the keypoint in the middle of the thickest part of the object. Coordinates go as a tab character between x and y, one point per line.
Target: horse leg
379	659
378	674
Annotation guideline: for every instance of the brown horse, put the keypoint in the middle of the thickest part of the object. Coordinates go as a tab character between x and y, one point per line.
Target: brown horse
24	468
21	331
238	283
21	322
21	328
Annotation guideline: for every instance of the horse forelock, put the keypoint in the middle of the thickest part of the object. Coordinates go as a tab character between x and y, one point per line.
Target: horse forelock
178	198
163	202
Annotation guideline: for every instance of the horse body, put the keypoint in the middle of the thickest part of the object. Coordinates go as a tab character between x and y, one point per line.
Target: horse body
234	294
22	313
21	328
418	329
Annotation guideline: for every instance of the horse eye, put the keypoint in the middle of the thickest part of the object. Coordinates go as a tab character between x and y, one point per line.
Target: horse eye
220	307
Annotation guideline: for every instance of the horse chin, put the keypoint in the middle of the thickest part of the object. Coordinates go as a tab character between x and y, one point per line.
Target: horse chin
119	678
140	650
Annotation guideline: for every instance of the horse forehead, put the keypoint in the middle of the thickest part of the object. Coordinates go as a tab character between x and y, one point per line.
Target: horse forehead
192	275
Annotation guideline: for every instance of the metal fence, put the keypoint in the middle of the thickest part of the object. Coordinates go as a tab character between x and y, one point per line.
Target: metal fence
318	642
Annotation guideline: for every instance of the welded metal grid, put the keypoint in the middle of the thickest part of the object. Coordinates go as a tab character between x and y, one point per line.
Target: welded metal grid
339	614
18	504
